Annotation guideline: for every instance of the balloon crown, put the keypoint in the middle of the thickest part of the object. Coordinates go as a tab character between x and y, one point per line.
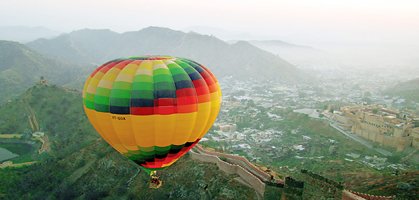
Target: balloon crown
151	57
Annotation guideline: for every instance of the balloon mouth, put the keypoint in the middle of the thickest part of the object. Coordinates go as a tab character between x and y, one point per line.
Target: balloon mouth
151	57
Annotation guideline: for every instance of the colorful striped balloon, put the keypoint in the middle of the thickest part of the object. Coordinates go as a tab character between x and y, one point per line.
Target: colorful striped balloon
152	109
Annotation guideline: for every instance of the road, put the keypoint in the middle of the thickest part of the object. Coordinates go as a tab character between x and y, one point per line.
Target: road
360	140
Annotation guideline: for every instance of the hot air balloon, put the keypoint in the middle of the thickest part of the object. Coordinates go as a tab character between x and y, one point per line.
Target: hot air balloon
152	109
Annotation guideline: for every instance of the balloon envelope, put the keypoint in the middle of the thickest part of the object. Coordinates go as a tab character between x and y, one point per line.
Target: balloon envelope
152	109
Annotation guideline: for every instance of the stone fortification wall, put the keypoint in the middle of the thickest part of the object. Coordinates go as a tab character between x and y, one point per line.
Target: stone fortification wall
228	168
238	160
351	195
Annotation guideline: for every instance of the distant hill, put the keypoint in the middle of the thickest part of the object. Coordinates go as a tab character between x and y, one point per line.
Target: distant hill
25	34
223	34
241	60
21	67
81	165
408	90
299	55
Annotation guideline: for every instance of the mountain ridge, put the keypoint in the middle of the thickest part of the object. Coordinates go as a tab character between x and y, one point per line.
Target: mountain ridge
25	33
280	42
300	55
21	67
86	46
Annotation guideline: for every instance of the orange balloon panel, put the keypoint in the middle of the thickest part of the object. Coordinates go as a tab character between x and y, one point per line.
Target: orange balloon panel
152	109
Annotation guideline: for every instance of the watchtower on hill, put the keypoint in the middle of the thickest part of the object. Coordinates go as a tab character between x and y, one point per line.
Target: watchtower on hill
43	81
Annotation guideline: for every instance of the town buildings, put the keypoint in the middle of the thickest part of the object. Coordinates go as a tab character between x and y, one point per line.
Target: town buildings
388	127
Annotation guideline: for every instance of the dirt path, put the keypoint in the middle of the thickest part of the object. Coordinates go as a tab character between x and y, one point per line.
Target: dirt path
132	178
10	136
45	147
80	171
33	122
10	164
359	140
31	117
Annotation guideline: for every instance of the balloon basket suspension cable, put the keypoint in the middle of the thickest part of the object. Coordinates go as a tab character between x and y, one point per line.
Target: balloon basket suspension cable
155	181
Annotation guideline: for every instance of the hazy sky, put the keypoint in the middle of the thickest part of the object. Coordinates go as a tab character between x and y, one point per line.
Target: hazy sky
307	21
358	29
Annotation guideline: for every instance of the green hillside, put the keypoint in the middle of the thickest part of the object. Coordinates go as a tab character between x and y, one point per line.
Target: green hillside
241	60
81	165
21	67
408	90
